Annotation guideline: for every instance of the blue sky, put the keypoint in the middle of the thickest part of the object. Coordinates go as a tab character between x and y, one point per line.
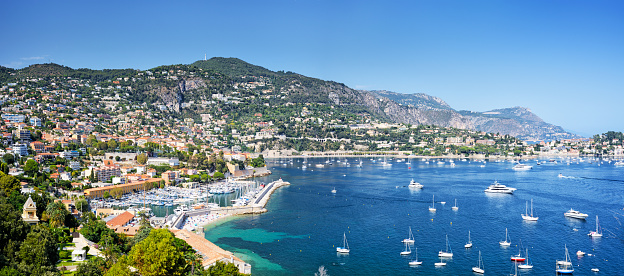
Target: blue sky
562	59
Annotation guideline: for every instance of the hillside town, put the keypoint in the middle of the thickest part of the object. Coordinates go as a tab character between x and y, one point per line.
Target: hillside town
92	149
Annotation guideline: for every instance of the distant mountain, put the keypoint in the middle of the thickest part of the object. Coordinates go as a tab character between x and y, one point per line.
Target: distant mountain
220	74
394	107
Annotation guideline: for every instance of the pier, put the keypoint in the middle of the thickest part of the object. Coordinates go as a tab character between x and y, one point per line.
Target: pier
255	207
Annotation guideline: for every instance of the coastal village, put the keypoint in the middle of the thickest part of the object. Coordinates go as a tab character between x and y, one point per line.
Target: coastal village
88	146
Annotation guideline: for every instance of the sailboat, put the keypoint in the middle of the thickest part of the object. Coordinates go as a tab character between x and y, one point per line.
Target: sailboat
518	258
432	208
469	243
598	232
334	190
506	242
527	264
526	215
407	250
565	267
455	208
410	238
441	263
415	261
448	253
479	268
345	246
386	164
516	273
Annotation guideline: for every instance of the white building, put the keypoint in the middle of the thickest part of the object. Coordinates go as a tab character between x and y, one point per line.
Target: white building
20	149
74	165
158	161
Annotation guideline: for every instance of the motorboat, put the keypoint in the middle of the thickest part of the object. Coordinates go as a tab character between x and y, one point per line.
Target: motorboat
414	184
575	214
499	188
521	167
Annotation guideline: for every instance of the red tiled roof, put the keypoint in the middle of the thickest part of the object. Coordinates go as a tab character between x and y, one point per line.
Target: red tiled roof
120	220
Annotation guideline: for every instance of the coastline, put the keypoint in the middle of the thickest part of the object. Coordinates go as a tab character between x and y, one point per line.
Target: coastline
407	155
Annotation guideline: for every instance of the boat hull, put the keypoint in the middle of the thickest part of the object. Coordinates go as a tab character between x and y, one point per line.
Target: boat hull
478	270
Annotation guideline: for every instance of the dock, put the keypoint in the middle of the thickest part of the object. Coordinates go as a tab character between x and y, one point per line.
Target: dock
255	207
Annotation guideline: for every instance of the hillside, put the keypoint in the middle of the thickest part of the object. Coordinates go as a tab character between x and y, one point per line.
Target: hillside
237	90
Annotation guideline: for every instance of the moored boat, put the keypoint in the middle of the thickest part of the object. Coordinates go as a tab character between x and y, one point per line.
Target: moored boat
575	214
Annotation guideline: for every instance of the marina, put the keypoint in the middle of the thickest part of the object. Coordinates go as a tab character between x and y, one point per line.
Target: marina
302	228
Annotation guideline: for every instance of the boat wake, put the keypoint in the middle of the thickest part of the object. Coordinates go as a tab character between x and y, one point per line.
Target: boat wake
603	179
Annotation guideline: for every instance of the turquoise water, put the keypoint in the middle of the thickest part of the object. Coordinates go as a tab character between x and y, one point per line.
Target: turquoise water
374	207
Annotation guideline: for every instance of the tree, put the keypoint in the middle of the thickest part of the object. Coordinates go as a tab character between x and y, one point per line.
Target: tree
223	269
156	255
92	267
4	168
9	183
112	144
8	158
13	231
31	167
82	205
56	213
39	252
219	175
121	268
91	140
142	158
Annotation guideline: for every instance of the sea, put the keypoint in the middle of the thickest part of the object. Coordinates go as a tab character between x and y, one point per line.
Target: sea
374	208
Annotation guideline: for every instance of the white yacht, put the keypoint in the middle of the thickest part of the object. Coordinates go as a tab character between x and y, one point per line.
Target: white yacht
575	214
499	188
414	184
522	167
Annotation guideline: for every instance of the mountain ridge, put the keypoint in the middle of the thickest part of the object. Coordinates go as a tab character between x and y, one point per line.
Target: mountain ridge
220	73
